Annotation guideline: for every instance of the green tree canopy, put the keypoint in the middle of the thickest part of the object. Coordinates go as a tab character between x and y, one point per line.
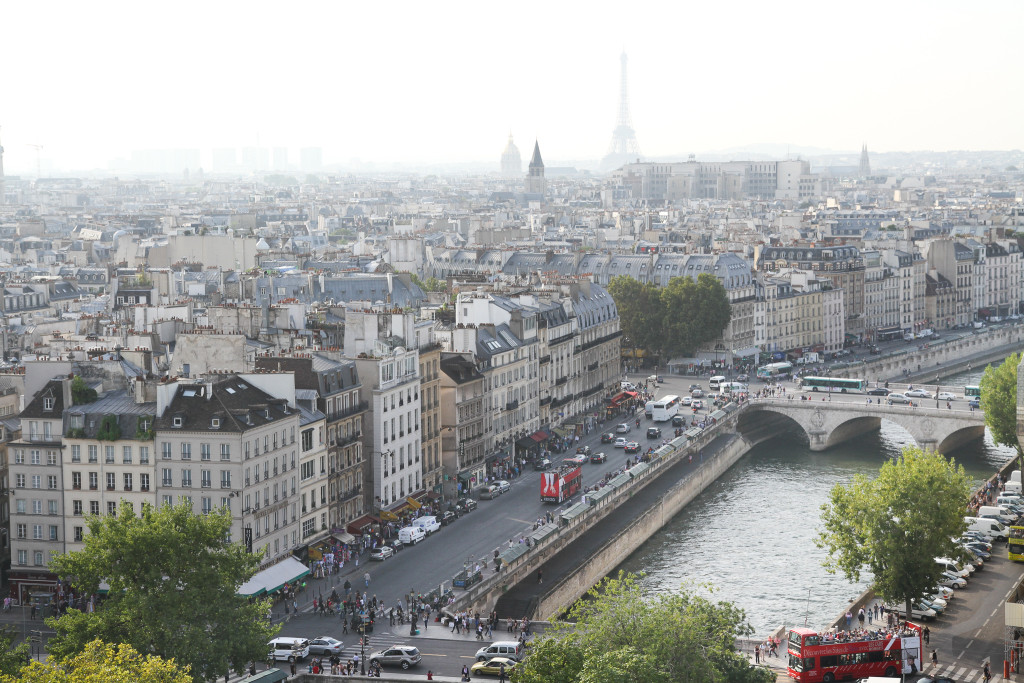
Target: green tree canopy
619	634
173	590
895	524
100	662
999	399
80	393
12	657
676	319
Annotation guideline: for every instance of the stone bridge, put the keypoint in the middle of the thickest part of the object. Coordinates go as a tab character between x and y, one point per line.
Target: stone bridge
827	423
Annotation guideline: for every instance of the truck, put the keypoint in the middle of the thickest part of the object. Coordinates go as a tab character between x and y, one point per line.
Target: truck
559	485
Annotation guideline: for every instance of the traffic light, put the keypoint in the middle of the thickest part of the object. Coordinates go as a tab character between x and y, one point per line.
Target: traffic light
366	641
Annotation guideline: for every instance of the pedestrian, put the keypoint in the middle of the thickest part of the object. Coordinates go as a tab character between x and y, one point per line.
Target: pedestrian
927	633
465	672
366	578
849	619
935	659
501	672
540	576
757	654
986	673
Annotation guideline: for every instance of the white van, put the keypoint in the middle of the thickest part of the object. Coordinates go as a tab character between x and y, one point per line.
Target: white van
649	409
716	381
411	535
1012	487
428	524
954	568
996	512
990	528
1015	476
512	649
288	649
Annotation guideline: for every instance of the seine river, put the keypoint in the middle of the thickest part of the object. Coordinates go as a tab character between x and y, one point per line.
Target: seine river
751	534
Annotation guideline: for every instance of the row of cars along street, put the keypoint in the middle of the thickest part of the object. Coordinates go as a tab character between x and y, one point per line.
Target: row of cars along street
422	527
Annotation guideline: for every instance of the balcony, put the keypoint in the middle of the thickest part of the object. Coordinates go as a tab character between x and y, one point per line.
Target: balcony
592	367
560	381
354	409
545	359
512	405
347	440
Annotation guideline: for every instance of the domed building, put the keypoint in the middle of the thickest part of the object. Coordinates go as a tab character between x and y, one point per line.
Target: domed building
511	162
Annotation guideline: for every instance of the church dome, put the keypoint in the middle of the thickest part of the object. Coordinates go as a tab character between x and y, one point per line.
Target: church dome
511	161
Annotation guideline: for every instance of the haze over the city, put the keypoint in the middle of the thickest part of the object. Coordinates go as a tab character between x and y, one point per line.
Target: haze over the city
416	83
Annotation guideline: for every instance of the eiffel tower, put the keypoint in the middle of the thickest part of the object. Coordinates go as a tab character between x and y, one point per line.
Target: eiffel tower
623	148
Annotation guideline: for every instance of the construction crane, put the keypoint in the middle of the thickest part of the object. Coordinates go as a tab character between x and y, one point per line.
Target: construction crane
39	166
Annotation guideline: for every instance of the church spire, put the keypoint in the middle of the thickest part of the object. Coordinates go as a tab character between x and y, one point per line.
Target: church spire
536	161
865	164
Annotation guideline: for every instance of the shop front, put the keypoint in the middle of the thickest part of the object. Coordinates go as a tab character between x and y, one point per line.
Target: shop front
25	584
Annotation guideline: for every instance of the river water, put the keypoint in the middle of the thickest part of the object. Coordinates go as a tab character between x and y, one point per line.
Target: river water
751	534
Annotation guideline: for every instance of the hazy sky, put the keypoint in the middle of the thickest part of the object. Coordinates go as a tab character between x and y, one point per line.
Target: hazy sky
447	81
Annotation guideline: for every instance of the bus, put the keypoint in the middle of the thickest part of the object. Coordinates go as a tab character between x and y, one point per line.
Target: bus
972	392
773	370
665	408
733	388
1015	543
817	658
839	384
716	381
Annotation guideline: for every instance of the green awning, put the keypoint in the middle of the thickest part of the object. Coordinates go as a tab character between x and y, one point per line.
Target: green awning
268	676
273	578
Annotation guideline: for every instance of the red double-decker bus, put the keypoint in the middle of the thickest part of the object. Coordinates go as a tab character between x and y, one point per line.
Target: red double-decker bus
815	657
557	487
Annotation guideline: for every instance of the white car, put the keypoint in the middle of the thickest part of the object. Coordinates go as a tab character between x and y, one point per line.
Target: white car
917	393
382	553
696	393
698	404
944	592
622	428
621	442
946	396
685	400
949	581
503	486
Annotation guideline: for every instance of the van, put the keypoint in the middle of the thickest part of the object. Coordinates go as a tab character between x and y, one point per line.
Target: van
288	649
488	492
429	524
411	535
649	409
955	568
511	649
996	512
989	528
716	381
1015	476
897	398
1012	487
652	380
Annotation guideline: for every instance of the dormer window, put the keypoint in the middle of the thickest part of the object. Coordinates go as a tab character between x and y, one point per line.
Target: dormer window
48	403
214	423
177	421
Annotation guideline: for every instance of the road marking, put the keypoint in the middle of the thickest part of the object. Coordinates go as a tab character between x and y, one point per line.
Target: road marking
522	521
960	673
993	613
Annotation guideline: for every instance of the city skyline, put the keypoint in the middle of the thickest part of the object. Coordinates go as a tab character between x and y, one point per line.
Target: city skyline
426	86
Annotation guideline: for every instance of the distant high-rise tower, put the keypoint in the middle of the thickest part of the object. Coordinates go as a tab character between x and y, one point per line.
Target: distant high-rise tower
535	183
511	162
865	165
3	189
624	147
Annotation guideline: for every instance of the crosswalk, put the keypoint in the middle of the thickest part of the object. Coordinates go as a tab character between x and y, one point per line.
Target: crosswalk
960	674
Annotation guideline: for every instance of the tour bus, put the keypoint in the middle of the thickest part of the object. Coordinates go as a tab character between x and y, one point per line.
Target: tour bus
817	658
665	408
716	381
773	370
972	392
839	384
1015	543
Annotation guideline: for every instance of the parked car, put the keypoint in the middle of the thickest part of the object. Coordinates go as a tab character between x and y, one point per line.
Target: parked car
466	505
428	523
397	655
325	645
653	433
488	492
946	396
917	393
951	581
395	545
879	391
621	442
622	428
503	485
382	553
447	517
632	447
607	437
898	398
598	457
542	464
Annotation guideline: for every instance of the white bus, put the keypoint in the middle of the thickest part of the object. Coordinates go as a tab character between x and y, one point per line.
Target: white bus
774	370
716	381
665	408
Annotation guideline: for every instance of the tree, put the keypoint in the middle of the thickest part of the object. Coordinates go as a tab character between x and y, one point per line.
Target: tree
80	393
894	525
999	397
101	661
619	634
173	581
12	657
640	312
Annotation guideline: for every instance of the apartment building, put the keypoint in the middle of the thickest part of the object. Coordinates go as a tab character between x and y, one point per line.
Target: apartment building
430	406
231	441
465	422
1002	279
955	261
801	312
314	504
37	491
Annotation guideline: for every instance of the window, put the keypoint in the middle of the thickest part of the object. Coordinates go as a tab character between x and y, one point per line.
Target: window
167	500
204	451
307	439
48	403
37	481
93	453
144	481
94	507
22	531
53	532
112	508
76	508
108	452
51	457
19	506
78	534
51	481
76	453
204	478
37	507
225	451
127	481
22	557
225	479
126	455
186	451
165	478
207	505
306	470
111	481
35	457
76	480
19	481
51	506
165	451
37	532
38	558
186	478
144	455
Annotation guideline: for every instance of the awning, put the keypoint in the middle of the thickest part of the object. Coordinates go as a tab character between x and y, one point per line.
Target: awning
345	537
560	432
357	526
272	578
539	436
631	394
388	516
268	676
747	352
526	442
413	503
692	432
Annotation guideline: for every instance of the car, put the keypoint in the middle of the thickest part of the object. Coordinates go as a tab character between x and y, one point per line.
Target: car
917	611
653	433
950	581
382	553
697	405
933	599
944	592
466	505
678	421
503	486
607	437
621	442
694	386
632	447
397	655
395	545
325	645
493	666
488	492
917	393
583	450
542	464
686	400
742	378
696	393
879	391
936	679
925	605
622	428
898	398
946	396
974	402
447	517
598	457
872	349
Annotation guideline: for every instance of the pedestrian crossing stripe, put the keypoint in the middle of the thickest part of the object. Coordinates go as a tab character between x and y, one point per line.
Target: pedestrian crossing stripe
962	675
